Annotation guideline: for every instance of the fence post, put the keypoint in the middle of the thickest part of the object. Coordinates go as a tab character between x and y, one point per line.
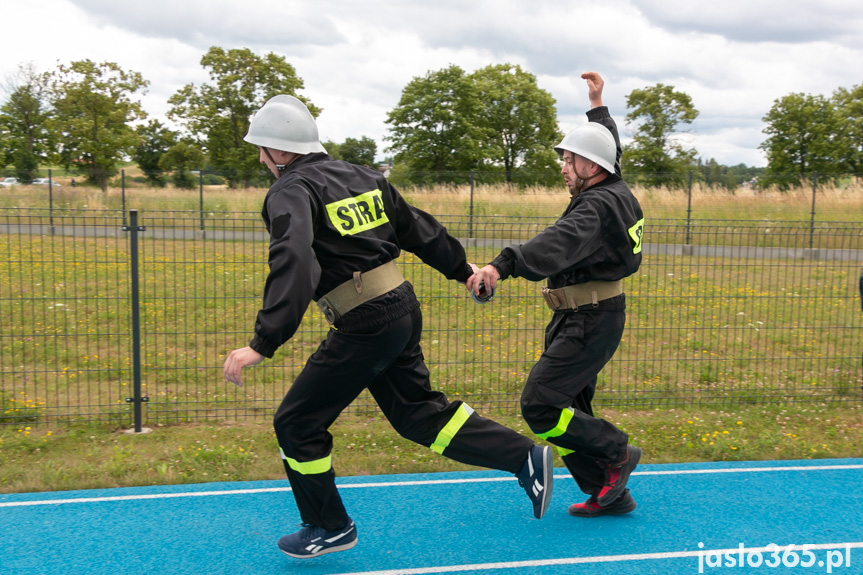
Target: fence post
123	194
201	196
812	215
470	213
689	211
50	203
136	398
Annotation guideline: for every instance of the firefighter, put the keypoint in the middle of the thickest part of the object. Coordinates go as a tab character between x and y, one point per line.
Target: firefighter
336	230
583	256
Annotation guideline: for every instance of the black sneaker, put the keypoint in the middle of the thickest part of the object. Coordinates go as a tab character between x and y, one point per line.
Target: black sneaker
536	476
590	508
617	475
311	541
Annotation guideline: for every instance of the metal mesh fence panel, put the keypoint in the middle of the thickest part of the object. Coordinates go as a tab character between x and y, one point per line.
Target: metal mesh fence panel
65	350
721	313
745	313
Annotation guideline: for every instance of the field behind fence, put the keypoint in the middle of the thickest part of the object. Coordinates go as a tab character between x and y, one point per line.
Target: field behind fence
724	311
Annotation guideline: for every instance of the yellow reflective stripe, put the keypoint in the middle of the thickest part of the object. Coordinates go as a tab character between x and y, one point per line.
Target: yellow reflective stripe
560	428
636	232
309	467
562	451
455	423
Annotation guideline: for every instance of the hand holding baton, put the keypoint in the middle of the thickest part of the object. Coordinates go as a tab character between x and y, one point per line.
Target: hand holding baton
484	295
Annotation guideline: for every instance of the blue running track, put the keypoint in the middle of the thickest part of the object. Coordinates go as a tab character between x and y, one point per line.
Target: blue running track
691	518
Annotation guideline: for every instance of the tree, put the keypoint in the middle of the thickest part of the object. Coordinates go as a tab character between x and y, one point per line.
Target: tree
495	119
800	129
333	149
730	177
656	155
181	158
155	140
217	115
361	152
431	128
711	172
6	146
517	118
849	111
23	122
92	116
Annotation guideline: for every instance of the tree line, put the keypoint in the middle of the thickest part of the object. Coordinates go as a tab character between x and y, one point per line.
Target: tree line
495	122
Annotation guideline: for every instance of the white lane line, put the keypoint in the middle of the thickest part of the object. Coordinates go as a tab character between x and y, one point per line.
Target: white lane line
845	547
142	497
747	470
402	484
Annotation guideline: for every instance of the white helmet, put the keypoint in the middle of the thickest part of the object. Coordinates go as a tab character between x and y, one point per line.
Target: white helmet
592	141
284	123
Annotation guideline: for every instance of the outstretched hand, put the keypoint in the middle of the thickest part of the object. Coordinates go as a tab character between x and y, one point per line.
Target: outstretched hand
237	360
595	84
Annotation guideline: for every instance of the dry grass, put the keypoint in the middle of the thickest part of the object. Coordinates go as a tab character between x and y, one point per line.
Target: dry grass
707	202
832	202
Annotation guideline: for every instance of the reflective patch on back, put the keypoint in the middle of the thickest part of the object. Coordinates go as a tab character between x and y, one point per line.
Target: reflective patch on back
358	214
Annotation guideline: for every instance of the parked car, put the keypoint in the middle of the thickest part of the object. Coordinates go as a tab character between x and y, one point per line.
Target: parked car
44	182
9	182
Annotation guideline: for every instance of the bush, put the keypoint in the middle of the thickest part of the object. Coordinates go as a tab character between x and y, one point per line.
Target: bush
213	180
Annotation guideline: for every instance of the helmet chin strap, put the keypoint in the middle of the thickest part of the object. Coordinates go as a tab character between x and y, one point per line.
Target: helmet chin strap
581	182
279	167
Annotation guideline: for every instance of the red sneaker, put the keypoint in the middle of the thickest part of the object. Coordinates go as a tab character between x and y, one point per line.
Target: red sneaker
590	508
618	475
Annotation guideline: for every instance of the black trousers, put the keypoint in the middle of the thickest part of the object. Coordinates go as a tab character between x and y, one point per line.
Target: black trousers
377	346
556	400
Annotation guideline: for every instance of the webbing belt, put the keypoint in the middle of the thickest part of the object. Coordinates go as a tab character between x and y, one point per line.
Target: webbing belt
361	288
578	295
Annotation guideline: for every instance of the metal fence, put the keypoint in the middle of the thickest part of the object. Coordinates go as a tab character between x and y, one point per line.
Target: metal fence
126	318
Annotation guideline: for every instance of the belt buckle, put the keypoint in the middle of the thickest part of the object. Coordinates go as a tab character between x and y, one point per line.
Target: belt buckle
328	310
551	299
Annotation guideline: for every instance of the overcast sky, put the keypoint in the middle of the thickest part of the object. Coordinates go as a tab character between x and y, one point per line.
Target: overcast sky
734	58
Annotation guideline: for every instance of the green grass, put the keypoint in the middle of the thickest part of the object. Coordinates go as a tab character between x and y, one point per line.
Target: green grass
73	457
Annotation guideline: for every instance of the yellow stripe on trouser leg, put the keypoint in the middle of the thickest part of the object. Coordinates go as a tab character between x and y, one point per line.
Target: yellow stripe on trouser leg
309	467
560	429
455	423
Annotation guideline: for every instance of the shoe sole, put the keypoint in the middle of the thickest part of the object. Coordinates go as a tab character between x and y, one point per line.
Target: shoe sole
624	479
548	481
619	511
344	547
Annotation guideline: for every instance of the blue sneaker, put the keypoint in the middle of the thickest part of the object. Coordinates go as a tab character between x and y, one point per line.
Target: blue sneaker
536	476
311	541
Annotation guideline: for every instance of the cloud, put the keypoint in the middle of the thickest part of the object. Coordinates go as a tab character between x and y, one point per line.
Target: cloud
778	21
296	26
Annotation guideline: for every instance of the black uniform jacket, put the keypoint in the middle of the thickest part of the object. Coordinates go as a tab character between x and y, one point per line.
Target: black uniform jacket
598	237
328	218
